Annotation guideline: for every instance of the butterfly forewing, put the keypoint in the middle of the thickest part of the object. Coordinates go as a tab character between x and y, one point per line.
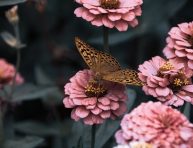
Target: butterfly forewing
96	60
89	54
125	76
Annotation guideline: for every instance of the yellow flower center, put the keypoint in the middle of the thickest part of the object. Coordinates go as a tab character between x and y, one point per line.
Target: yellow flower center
110	4
95	89
141	145
166	67
179	80
176	81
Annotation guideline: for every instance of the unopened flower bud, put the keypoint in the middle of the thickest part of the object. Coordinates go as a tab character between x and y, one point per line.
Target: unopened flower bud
12	15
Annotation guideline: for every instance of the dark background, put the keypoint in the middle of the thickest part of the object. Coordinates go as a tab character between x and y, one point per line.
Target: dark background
50	59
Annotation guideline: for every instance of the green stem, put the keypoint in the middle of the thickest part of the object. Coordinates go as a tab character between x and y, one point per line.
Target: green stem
93	132
182	108
106	39
1	129
17	34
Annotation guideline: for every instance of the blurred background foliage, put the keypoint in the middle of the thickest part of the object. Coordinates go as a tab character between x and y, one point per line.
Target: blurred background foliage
36	116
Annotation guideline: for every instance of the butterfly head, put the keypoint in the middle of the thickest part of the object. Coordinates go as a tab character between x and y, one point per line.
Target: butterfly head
95	89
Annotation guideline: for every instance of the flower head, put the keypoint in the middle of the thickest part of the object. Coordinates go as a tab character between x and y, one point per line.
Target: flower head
110	13
168	81
7	72
156	124
180	43
94	101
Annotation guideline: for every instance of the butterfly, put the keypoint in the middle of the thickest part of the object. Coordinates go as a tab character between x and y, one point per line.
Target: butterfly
105	66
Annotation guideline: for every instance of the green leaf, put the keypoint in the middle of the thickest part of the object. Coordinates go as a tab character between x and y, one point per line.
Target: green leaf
9	39
107	129
186	111
41	77
30	92
27	142
75	134
44	129
10	2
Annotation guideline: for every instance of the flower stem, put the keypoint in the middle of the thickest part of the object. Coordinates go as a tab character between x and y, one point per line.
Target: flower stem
106	39
1	129
93	132
18	47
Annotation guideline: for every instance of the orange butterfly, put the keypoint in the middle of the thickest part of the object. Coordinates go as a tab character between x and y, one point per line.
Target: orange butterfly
105	66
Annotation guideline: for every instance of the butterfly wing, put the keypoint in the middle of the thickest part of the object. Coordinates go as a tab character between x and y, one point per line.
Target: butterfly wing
96	60
125	76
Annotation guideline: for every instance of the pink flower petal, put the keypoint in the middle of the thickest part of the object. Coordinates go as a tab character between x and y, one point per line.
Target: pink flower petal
91	2
68	103
104	101
103	107
188	88
114	105
107	22
169	53
105	115
97	21
121	110
74	116
129	16
78	12
121	25
162	91
96	111
114	16
81	112
190	64
89	101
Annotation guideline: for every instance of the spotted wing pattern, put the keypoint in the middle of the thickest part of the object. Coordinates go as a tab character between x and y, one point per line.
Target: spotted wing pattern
96	60
126	76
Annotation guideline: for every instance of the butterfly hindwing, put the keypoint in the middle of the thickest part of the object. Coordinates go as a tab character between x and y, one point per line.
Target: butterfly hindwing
126	76
96	60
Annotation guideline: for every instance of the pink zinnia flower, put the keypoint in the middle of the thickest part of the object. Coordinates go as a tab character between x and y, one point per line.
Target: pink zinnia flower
168	81
7	72
93	101
180	43
156	124
110	13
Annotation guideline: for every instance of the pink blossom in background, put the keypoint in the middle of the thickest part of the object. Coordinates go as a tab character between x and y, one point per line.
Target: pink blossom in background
7	72
168	81
156	124
180	43
110	13
92	102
